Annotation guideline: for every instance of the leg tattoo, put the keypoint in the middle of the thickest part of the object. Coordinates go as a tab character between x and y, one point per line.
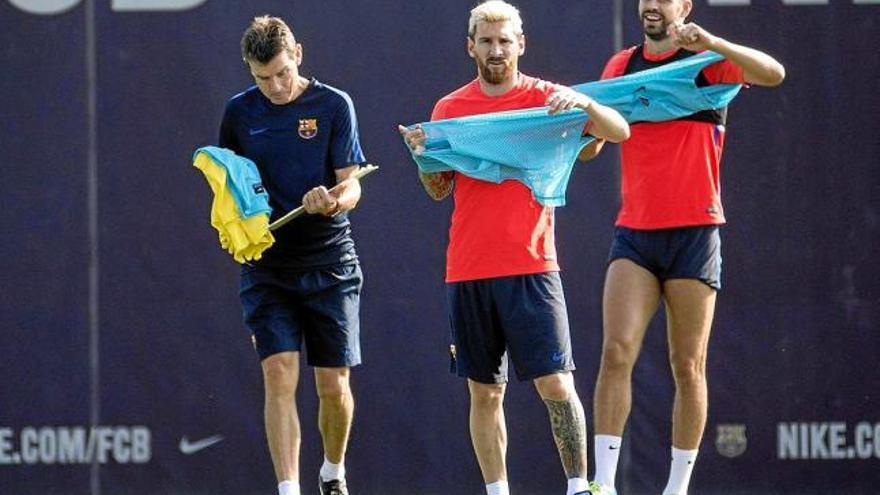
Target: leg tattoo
570	433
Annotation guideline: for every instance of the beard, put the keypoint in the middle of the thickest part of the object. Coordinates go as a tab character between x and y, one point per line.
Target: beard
656	32
495	74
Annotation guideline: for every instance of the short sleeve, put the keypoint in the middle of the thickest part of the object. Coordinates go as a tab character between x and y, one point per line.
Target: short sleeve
228	137
345	146
439	112
724	72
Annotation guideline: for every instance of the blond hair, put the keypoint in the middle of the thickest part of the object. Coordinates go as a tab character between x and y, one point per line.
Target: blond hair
494	11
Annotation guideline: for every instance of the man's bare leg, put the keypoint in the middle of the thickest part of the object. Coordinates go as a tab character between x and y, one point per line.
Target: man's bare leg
569	426
630	299
489	429
280	379
690	308
335	413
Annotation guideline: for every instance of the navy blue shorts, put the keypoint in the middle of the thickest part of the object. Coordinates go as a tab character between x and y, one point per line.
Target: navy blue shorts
282	307
687	252
523	316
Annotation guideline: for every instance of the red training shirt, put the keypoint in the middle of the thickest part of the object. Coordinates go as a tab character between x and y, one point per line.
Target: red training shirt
671	170
497	230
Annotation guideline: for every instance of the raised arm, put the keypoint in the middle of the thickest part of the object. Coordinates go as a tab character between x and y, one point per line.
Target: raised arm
758	67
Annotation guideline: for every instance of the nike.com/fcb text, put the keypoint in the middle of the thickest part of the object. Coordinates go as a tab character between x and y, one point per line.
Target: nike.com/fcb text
828	440
76	445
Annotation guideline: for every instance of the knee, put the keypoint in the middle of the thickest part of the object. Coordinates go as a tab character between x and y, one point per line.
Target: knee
280	376
487	397
558	386
689	372
333	389
619	355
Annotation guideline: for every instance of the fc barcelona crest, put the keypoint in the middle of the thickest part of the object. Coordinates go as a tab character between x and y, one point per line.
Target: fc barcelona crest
308	128
731	440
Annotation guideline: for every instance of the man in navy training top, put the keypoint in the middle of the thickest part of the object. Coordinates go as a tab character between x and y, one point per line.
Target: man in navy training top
303	136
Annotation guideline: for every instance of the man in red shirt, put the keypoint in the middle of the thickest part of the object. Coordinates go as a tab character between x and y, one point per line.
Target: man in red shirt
503	285
666	242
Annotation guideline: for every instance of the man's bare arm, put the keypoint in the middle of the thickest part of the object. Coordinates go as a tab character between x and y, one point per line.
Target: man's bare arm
438	185
758	67
606	122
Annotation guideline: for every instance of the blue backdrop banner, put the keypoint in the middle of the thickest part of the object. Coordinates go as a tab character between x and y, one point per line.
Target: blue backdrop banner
126	367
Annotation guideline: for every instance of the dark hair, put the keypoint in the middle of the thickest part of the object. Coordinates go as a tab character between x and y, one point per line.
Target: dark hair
265	38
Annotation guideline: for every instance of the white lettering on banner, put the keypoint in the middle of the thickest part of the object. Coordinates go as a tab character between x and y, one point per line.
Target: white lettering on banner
6	445
141	449
51	7
837	437
29	454
76	445
828	440
71	444
866	434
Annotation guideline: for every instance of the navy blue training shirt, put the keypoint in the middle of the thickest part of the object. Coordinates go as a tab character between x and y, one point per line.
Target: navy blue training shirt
298	146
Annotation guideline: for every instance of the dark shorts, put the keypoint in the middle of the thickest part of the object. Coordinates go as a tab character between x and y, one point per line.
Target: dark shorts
283	307
523	315
687	252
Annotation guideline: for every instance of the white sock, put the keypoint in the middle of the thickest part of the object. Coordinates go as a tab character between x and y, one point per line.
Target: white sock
330	471
498	488
607	451
288	487
680	471
577	485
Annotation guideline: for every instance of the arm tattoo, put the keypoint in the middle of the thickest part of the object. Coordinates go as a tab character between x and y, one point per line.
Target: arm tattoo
438	185
570	432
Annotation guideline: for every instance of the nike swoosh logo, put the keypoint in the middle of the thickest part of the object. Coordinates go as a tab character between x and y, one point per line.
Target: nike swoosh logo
190	448
254	132
612	447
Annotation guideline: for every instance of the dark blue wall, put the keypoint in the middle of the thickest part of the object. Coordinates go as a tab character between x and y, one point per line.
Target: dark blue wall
795	339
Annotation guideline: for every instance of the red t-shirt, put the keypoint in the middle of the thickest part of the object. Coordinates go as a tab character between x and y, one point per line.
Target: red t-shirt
671	170
497	230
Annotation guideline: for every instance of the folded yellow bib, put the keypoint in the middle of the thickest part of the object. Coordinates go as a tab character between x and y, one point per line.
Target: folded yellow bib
244	238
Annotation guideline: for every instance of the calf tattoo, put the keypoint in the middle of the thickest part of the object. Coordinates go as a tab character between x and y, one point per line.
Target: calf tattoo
570	433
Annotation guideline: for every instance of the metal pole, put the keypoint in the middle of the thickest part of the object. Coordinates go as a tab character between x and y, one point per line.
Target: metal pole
94	262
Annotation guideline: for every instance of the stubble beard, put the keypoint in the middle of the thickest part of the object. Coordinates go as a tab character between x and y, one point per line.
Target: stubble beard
656	33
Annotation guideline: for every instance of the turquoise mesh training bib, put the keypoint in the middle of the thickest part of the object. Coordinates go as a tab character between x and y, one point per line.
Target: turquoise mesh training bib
540	150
